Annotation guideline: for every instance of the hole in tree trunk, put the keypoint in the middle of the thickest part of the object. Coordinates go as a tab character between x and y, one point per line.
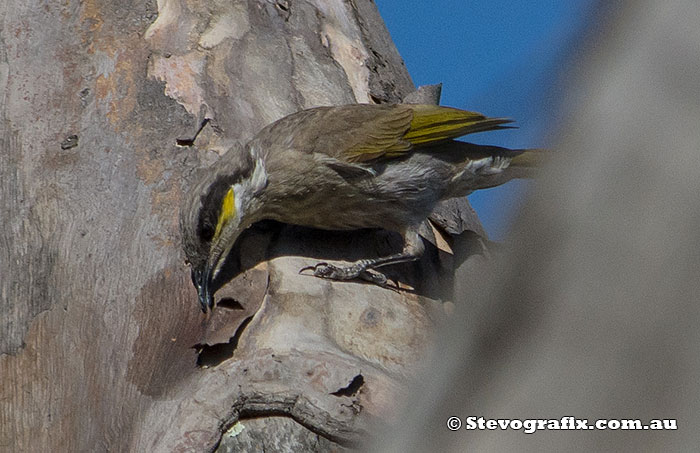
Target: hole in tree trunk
352	388
230	303
210	356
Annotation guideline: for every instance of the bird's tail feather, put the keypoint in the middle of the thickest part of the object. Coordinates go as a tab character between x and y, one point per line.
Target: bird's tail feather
516	158
492	165
529	158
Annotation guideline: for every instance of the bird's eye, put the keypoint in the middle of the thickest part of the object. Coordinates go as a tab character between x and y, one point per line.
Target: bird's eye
207	232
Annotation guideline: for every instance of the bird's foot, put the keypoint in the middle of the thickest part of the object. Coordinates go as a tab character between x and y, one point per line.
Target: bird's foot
332	272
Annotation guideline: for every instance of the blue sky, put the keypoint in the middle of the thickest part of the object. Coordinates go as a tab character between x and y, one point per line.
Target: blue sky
500	58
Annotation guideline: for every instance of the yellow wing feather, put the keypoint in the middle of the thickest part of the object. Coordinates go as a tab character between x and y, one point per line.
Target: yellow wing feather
399	130
380	133
432	123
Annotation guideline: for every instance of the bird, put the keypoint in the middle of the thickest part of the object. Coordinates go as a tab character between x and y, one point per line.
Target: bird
343	167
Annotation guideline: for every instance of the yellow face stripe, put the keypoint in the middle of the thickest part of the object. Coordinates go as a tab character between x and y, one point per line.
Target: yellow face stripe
228	210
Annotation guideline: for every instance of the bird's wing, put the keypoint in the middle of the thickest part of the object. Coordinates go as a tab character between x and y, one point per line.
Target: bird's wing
364	133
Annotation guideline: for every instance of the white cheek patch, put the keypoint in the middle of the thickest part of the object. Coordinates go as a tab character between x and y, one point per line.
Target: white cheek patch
258	180
239	193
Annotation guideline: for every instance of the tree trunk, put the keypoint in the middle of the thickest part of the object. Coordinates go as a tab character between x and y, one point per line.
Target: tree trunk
102	343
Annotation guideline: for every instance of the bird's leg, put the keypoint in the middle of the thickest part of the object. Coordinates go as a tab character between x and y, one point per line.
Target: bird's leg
366	269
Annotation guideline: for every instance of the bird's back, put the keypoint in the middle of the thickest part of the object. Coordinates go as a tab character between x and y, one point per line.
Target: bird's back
360	166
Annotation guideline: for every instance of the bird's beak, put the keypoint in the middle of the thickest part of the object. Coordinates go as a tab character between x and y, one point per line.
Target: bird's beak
202	281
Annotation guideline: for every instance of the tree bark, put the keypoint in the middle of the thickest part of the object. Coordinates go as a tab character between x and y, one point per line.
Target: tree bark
102	343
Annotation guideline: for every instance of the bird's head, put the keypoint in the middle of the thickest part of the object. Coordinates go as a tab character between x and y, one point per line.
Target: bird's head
222	204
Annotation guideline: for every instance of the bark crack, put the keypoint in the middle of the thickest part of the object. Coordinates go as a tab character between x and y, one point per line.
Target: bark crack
211	356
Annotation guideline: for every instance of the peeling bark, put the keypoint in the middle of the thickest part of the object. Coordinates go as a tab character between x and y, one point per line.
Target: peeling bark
102	345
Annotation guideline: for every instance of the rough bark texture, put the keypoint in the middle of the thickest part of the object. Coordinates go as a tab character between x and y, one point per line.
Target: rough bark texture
102	345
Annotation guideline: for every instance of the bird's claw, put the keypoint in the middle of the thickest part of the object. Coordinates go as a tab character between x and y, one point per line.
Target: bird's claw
332	272
373	276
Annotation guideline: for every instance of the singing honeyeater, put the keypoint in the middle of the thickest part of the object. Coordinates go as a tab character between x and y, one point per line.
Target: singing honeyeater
343	168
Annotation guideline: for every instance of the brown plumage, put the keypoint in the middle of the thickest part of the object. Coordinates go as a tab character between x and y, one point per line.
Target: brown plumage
342	168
